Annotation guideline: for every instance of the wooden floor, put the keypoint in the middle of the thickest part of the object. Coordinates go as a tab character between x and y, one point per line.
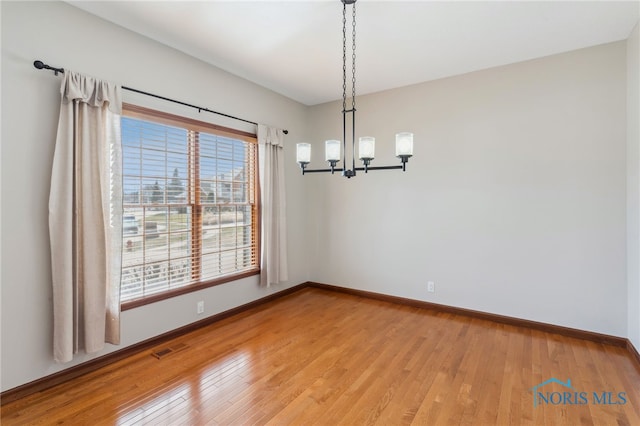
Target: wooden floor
321	357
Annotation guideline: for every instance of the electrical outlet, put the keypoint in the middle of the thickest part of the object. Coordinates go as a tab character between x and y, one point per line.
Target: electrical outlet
200	308
431	287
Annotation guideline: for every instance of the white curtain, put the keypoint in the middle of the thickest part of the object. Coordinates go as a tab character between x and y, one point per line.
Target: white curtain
273	256
85	217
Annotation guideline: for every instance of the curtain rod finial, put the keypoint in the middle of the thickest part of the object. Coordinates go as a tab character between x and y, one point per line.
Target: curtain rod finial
41	65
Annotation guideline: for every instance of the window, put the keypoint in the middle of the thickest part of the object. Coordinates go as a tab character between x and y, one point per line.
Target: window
190	205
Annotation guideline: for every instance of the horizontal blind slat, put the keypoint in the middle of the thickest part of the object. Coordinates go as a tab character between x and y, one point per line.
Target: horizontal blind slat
159	215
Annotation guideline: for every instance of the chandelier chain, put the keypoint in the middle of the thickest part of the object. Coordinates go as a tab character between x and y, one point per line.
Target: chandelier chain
353	58
344	57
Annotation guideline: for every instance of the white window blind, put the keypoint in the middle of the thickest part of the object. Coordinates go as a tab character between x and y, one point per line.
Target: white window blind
190	208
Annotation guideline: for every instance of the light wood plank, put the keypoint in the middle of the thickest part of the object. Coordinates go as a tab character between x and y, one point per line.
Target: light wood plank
328	358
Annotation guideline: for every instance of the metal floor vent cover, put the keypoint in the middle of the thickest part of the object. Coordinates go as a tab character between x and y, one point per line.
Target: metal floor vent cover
161	353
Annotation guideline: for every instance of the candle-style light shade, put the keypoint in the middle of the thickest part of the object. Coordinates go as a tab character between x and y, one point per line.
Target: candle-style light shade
367	148
332	150
404	144
303	153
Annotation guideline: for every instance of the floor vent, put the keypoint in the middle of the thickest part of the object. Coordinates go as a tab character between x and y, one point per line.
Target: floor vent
161	353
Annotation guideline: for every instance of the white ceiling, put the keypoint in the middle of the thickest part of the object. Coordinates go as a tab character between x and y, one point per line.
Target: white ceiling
295	47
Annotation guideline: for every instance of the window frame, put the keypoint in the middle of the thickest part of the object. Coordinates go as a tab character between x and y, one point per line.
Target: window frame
143	113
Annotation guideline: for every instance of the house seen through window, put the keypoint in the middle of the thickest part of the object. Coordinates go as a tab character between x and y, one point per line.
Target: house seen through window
190	205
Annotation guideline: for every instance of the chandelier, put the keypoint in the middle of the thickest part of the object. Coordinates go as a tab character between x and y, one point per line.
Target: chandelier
366	144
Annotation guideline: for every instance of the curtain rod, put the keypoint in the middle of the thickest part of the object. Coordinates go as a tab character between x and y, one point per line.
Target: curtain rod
41	65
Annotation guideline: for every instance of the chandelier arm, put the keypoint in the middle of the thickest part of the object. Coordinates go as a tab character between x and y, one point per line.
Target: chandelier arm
358	169
322	170
398	167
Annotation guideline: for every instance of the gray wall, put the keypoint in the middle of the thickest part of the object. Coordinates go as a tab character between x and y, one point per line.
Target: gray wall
520	199
514	202
633	184
65	36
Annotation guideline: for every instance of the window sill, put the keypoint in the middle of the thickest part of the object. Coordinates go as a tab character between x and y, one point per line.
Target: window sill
135	303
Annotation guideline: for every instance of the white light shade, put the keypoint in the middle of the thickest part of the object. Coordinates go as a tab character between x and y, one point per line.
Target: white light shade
367	148
303	153
404	144
332	150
